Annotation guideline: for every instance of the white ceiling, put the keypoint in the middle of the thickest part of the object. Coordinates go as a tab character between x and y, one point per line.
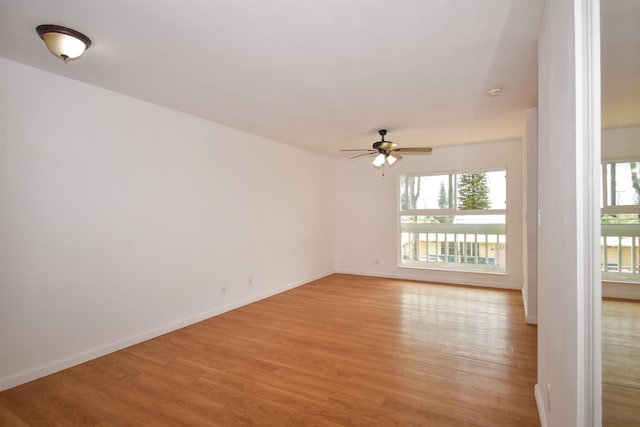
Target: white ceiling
620	40
321	75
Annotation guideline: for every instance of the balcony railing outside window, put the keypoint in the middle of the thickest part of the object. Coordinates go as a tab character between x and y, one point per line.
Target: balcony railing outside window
620	252
470	247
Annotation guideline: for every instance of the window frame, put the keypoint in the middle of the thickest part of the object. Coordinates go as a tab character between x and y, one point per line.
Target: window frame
452	211
614	275
605	208
453	191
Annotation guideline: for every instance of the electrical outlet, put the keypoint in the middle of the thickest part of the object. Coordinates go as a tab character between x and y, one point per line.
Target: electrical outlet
376	261
223	290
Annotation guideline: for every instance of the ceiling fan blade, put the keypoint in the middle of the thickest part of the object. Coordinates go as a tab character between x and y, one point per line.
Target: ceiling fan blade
359	149
410	150
363	155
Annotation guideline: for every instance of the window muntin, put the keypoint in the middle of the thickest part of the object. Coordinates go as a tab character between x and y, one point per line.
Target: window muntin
454	221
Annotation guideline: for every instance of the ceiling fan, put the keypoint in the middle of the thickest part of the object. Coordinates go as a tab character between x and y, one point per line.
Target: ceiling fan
387	151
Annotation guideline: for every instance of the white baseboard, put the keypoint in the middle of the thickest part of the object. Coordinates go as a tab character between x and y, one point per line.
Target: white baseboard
542	414
531	319
67	362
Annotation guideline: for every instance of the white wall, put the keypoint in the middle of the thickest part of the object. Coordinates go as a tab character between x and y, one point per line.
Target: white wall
121	220
565	154
621	144
367	212
530	214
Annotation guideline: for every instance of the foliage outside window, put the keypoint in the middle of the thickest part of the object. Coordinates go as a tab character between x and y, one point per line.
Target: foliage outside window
454	221
620	240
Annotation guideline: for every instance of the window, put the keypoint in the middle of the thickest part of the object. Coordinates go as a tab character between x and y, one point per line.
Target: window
454	221
620	241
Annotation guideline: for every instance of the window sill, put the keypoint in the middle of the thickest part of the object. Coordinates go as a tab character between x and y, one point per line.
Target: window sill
621	281
455	269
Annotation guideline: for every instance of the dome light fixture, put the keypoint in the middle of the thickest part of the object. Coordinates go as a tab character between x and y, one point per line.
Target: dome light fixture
63	42
496	91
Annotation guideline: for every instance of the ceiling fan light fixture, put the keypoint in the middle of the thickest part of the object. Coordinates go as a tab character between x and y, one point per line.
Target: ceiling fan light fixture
392	158
63	42
385	151
379	160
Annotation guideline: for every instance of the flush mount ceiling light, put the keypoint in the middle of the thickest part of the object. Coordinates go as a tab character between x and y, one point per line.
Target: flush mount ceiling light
63	42
496	91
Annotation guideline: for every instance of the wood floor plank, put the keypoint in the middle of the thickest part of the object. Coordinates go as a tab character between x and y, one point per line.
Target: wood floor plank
340	351
620	363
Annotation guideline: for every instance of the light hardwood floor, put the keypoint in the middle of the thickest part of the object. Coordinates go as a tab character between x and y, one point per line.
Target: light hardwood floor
343	350
620	363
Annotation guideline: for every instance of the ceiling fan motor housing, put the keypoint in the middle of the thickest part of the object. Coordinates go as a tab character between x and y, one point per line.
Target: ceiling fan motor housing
383	146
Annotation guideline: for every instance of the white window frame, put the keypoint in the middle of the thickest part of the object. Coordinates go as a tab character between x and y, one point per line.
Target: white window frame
611	275
615	209
453	211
